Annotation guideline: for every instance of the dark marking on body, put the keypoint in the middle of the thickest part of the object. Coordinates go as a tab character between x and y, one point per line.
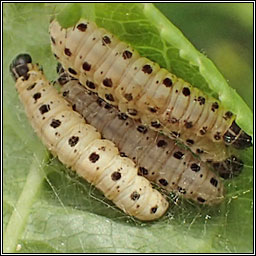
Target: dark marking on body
73	141
107	82
37	96
94	157
127	54
86	66
163	182
55	123
82	27
167	82
135	196
44	108
178	155
116	176
67	52
147	69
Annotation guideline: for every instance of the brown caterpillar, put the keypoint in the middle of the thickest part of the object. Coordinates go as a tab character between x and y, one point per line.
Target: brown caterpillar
143	90
159	159
79	146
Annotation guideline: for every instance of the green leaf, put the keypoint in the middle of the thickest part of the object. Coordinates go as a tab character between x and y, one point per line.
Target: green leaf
47	208
69	15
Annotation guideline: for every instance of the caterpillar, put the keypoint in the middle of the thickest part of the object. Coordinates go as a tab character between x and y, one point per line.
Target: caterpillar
159	158
143	90
80	146
230	167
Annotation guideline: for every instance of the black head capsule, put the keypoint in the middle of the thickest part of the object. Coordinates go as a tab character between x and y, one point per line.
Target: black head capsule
237	137
231	167
19	66
243	141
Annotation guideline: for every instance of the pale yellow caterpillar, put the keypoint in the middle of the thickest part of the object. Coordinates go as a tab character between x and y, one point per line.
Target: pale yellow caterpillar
159	158
143	90
79	145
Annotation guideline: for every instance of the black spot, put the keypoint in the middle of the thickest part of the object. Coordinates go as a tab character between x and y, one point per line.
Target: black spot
153	210
147	69
228	115
182	190
74	107
115	176
188	125
122	154
107	82
217	136
141	128
122	116
44	108
175	134
53	40
163	182
90	84
161	143
86	66
72	71
128	96
31	87
190	142
167	82
152	110
94	157
67	52
106	40
127	54
55	123
99	101
107	106
65	93
82	27
203	130
55	56
186	91
201	100
109	97
179	155
155	124
143	171
214	182
37	96
201	200
132	112
195	167
199	151
135	196
73	141
215	106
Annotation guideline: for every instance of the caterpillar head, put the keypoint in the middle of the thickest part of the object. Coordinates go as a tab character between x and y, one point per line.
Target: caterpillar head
19	66
237	137
229	168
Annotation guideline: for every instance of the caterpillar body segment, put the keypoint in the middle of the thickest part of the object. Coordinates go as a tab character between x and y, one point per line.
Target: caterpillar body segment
79	145
143	90
159	158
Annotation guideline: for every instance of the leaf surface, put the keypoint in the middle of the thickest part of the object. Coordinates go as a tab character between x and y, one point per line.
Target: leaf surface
47	208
